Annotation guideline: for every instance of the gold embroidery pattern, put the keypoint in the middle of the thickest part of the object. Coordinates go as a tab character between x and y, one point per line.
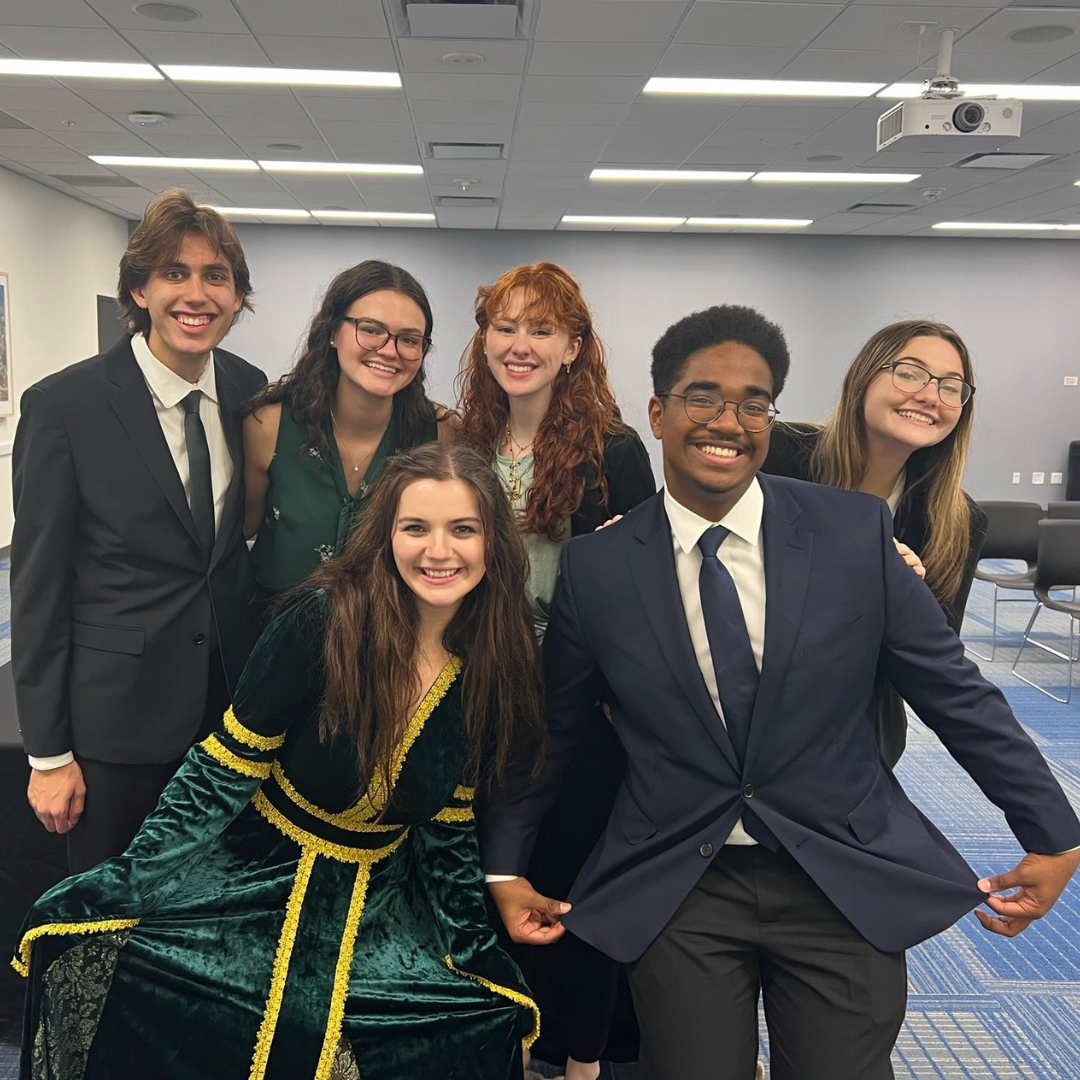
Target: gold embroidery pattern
454	815
464	794
280	970
506	992
248	737
341	973
316	843
258	769
21	963
343	820
374	799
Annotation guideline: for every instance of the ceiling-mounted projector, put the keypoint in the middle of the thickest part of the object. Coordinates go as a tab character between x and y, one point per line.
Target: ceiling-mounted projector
942	112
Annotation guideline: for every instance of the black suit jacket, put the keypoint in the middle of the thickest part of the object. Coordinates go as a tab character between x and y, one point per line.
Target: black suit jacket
113	605
840	602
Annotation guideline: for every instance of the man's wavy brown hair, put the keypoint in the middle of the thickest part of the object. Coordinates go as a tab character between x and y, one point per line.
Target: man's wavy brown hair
568	451
372	636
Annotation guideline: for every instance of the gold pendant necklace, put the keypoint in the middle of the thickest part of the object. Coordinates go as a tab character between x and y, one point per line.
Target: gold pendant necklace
514	474
356	463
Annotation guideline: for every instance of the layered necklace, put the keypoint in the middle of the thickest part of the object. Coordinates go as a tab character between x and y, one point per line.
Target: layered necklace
515	473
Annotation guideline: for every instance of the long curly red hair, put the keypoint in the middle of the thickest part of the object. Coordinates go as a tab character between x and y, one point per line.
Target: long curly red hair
568	451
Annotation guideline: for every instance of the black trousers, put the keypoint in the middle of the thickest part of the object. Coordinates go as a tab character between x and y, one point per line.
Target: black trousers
119	798
756	922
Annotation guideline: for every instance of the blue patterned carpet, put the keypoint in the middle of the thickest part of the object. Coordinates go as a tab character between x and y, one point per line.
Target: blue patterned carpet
981	1007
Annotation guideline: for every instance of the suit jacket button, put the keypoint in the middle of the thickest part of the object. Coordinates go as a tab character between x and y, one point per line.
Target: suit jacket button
748	791
706	850
199	639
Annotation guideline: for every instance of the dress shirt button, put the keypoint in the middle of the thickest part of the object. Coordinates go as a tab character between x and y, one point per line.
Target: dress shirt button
198	639
706	850
748	791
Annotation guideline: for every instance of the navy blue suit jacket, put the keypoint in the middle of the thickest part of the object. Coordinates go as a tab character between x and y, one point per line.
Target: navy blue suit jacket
839	603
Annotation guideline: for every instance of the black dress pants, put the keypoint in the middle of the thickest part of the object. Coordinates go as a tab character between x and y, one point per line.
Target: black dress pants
757	922
120	797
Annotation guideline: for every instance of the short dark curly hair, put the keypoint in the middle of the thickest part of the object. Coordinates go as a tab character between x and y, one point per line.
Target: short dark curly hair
714	326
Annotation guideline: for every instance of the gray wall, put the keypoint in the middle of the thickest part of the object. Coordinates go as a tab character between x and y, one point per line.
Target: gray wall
1015	302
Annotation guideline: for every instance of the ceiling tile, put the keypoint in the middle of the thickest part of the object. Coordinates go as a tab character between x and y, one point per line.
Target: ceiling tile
357	107
215	17
50	13
748	24
554	134
723	62
277	130
895	27
766	117
858	65
190	145
476	112
569	58
334	53
425	55
258	148
329	18
137	97
993	35
601	21
583	88
462	87
545	112
68	43
64	121
266	106
465	133
167	47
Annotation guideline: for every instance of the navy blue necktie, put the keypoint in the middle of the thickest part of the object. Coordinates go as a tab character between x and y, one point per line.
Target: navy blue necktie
200	483
733	661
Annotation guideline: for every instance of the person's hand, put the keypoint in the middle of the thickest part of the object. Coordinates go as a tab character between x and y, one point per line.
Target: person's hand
910	558
57	796
610	521
1038	880
529	918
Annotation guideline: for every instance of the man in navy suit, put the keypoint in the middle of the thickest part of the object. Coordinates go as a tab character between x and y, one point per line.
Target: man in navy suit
758	842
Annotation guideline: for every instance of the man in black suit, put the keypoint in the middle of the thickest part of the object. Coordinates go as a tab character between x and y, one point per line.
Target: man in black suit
131	595
735	624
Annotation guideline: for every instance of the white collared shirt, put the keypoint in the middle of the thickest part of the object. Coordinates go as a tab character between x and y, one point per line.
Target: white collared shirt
743	555
168	390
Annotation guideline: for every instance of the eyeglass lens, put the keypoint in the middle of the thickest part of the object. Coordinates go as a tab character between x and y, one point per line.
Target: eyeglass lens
373	337
753	414
911	378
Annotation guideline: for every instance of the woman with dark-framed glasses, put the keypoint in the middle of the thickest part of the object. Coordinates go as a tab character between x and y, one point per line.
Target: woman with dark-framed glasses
315	439
900	431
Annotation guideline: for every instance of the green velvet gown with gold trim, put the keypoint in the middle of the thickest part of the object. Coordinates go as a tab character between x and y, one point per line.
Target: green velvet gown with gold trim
263	924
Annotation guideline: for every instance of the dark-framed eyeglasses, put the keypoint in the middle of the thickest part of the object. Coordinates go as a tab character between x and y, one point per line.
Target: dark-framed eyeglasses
954	393
753	414
373	336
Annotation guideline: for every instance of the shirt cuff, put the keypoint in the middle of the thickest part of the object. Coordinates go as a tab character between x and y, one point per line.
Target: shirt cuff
489	878
54	762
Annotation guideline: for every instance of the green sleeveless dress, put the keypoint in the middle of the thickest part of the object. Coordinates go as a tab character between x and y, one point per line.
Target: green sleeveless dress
309	511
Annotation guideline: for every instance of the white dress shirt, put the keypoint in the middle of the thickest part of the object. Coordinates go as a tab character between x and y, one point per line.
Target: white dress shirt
743	555
167	391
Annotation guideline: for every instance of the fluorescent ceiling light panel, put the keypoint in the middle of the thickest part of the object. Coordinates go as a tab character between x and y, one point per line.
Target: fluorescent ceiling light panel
371	215
686	175
1023	91
236	164
999	226
762	87
599	219
834	178
280	76
255	211
342	167
746	222
79	69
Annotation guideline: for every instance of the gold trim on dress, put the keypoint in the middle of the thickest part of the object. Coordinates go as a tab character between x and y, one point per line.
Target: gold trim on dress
280	970
343	819
464	794
21	962
505	991
454	815
341	972
248	737
260	770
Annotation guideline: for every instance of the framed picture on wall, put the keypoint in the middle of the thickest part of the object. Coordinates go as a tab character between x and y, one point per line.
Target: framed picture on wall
7	406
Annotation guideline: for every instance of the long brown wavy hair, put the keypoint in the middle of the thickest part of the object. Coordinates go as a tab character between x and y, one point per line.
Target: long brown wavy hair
568	451
371	646
840	457
309	388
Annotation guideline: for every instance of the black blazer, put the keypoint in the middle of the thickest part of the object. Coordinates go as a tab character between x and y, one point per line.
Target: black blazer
630	481
113	606
840	603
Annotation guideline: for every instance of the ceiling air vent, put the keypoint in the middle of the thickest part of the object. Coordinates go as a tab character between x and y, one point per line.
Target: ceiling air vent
455	19
96	181
879	208
466	151
467	202
1005	160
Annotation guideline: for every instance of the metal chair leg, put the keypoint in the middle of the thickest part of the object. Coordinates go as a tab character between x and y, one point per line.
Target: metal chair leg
993	636
1070	658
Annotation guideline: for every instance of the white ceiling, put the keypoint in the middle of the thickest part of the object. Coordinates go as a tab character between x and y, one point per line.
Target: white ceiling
563	99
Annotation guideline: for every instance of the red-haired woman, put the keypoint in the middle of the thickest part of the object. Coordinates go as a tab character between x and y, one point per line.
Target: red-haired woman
535	399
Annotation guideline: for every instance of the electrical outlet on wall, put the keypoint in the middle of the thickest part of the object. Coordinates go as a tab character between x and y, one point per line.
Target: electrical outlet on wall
1038	478
1016	478
1070	380
1055	478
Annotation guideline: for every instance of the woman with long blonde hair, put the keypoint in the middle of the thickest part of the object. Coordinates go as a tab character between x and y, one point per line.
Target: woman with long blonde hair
901	431
536	402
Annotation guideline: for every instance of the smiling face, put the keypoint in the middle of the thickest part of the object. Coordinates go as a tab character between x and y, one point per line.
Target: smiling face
897	420
191	302
524	355
708	467
379	372
439	544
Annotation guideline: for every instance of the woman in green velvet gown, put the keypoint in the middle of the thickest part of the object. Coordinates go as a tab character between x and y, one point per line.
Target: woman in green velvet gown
307	901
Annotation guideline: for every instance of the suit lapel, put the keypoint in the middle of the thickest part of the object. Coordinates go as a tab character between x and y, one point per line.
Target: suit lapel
134	407
787	576
652	564
229	402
